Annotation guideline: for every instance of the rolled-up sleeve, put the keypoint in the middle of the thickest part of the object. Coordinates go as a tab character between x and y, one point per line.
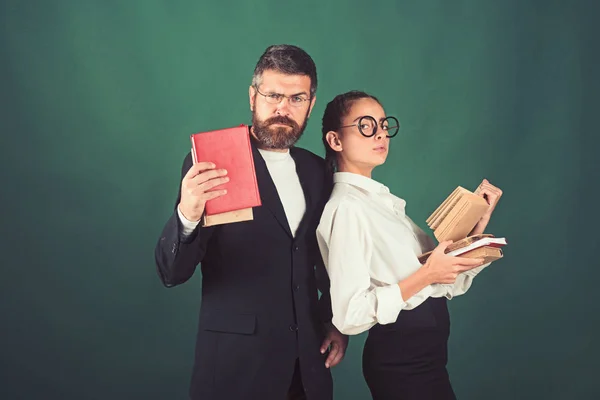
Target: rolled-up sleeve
463	282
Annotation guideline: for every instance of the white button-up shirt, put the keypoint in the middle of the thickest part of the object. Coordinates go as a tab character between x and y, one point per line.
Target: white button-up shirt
368	245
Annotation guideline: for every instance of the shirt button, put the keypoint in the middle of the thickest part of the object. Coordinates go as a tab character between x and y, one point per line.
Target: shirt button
293	327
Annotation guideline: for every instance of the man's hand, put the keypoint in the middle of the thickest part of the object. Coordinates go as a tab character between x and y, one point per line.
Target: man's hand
492	195
195	189
337	343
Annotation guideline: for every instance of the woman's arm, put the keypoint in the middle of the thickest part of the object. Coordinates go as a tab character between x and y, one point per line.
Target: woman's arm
346	246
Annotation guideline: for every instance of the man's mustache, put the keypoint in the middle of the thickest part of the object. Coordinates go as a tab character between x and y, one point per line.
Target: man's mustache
281	120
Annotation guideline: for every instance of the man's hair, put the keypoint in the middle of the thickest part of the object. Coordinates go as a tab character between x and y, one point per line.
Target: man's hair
286	59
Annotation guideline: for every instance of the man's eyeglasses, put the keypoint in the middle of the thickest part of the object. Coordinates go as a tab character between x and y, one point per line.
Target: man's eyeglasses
367	126
297	100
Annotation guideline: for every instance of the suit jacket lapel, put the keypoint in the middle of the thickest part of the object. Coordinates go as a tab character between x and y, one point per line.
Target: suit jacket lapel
268	192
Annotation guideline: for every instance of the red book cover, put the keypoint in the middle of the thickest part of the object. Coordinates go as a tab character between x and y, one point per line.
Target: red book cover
230	149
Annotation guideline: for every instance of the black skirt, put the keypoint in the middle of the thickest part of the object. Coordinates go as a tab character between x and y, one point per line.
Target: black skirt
407	359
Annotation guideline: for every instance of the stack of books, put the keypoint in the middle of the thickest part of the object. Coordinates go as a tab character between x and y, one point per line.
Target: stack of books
455	219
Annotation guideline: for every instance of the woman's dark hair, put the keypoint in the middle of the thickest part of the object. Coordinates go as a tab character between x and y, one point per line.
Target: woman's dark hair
337	109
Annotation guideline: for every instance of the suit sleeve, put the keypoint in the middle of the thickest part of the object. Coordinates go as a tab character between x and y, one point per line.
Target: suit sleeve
176	254
323	285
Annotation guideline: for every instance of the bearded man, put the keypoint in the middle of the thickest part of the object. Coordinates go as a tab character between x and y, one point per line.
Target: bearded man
264	332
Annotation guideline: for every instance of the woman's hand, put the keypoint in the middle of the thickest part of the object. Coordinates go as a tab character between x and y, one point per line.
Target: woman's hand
442	268
492	195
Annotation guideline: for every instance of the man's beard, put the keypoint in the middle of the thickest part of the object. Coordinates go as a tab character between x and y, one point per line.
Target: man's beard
277	137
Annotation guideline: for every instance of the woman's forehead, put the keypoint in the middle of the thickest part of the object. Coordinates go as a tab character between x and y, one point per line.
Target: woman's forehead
366	106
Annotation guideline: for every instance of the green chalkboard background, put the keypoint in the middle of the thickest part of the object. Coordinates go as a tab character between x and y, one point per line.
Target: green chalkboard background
97	99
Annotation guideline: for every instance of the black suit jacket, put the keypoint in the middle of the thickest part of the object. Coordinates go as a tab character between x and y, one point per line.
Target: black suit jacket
260	307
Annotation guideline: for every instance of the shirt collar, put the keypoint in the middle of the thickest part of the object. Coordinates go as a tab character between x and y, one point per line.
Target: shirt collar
360	181
372	186
270	155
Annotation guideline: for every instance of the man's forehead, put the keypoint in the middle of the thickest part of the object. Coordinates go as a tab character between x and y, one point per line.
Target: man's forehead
274	80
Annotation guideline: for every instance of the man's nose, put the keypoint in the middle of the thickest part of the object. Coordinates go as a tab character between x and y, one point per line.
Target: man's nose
283	107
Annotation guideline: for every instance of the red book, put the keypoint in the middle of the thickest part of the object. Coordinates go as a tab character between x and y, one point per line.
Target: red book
230	149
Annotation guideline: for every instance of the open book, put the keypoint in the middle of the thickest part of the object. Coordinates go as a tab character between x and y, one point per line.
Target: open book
457	215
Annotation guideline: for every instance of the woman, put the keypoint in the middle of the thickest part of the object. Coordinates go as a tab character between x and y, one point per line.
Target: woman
370	250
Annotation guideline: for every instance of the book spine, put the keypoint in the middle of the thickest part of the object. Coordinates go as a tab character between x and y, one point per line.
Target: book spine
249	147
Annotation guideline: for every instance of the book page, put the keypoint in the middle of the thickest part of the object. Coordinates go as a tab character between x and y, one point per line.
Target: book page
442	206
452	202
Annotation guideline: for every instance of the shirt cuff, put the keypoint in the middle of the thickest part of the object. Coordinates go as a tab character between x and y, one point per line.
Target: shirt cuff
187	226
389	304
441	290
448	290
473	272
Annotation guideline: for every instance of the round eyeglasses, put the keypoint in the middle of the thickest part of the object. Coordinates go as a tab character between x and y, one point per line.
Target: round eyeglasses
296	100
367	126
